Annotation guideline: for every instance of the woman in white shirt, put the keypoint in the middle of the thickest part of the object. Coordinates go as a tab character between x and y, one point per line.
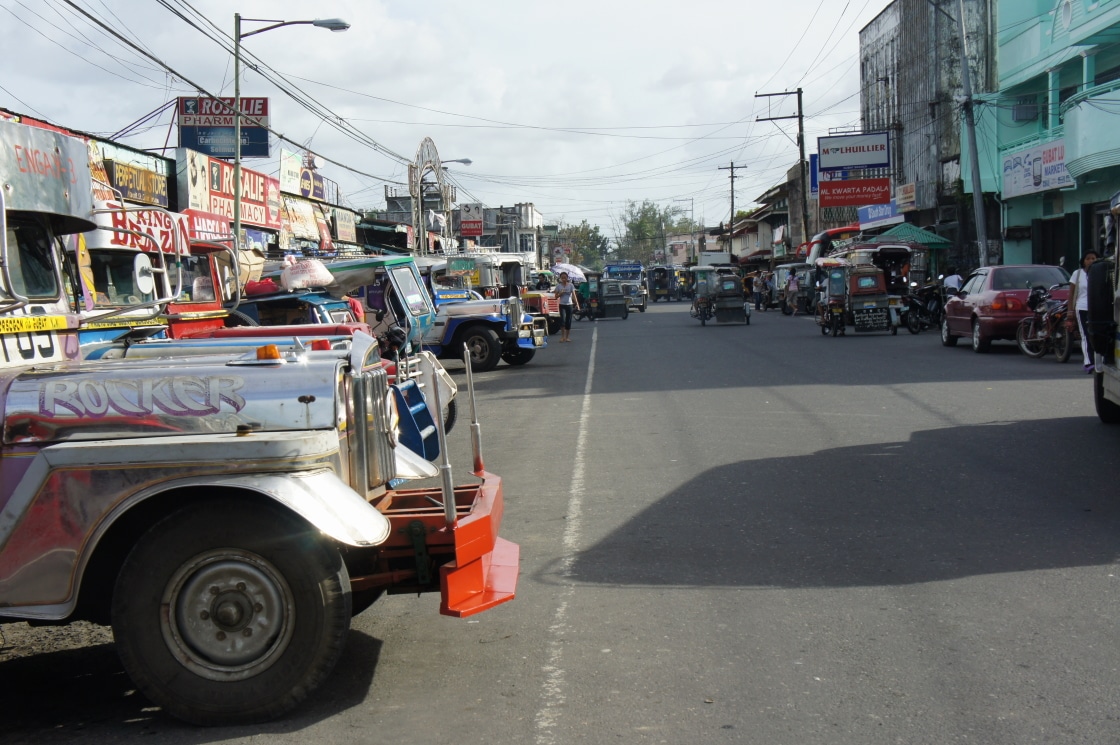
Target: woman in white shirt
1079	303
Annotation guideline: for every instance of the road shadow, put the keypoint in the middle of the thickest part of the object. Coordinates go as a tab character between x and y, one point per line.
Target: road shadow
888	514
84	695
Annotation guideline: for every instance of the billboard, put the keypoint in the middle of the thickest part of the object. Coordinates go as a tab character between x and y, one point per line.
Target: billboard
855	192
207	125
206	184
843	152
879	215
470	220
1035	169
137	184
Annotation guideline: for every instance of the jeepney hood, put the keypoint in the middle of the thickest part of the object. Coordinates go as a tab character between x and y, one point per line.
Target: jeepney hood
472	307
114	399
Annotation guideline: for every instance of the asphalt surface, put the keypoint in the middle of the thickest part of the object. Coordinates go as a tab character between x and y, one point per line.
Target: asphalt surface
740	534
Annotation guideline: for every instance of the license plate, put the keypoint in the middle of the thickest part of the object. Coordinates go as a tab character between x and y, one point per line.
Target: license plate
872	304
31	347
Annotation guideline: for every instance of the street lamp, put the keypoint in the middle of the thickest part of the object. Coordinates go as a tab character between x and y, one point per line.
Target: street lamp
464	161
332	24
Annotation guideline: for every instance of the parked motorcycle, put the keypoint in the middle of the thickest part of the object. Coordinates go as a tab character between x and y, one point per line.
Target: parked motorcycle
1045	329
923	307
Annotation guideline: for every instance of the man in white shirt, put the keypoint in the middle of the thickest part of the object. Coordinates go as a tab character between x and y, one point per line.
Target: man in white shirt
954	281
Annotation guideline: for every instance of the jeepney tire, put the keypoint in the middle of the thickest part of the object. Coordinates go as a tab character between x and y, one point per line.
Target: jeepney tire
518	356
947	338
450	415
554	324
1107	411
485	347
268	573
242	319
361	600
625	313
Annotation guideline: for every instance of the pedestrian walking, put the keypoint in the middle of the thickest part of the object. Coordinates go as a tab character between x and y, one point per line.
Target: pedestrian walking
791	292
1078	303
566	294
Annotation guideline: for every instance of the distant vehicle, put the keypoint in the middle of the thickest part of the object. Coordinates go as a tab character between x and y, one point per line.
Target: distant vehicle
632	275
993	301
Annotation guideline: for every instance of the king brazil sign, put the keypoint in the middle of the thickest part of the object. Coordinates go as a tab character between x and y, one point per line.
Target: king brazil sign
844	152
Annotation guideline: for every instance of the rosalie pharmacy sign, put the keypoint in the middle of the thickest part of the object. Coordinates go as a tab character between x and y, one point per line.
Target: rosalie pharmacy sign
1035	169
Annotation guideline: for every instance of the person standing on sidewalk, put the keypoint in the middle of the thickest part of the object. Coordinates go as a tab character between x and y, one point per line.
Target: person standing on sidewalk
566	294
1078	303
791	292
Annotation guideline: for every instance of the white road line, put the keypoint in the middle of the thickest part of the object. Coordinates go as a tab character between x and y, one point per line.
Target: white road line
552	689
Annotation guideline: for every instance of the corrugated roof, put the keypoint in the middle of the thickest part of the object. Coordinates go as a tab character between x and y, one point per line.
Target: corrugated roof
907	232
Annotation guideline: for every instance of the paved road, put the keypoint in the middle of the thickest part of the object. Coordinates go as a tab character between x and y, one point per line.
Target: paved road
740	534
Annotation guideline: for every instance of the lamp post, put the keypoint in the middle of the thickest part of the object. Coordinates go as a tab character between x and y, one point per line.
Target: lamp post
333	24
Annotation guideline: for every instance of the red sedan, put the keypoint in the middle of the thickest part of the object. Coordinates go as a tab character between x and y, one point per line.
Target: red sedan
993	300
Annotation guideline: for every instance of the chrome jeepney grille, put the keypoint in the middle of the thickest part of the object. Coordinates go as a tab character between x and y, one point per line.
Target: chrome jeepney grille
374	463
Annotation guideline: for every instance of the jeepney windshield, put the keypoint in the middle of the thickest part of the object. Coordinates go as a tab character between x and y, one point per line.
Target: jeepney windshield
113	283
413	295
31	260
198	280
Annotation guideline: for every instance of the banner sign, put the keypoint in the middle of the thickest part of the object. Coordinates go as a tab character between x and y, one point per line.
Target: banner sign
470	220
207	184
814	165
207	125
311	185
879	215
871	150
855	192
1035	169
290	165
137	184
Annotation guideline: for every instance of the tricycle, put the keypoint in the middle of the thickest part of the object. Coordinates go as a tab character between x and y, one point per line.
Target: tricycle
854	296
718	295
601	298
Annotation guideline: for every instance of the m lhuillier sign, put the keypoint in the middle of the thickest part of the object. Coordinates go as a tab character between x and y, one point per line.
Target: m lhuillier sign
849	152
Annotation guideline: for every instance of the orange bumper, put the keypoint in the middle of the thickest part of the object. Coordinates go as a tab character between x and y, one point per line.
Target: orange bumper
477	569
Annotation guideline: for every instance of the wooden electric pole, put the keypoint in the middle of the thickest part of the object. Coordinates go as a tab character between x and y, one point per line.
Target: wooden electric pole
800	117
731	225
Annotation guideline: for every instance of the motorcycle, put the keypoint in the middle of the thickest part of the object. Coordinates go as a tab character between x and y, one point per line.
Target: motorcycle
923	307
1045	329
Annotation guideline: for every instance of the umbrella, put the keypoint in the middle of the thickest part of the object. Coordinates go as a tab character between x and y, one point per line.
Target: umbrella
574	272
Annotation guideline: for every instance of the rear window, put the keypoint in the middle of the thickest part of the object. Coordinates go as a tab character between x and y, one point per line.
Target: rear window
867	283
1025	277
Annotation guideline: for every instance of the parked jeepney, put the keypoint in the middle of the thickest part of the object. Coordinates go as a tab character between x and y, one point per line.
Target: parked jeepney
225	514
632	277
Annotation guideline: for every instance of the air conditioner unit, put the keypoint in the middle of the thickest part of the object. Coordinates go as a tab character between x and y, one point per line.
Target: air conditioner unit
1024	112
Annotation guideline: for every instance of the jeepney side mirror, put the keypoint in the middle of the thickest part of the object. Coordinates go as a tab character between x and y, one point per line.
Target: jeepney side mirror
143	278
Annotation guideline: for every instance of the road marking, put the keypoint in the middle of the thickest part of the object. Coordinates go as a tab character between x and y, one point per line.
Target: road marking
552	690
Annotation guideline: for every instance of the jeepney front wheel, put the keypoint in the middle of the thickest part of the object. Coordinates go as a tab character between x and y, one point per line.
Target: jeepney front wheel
485	348
518	356
230	612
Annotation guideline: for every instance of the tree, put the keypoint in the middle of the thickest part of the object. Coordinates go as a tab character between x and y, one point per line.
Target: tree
644	227
589	246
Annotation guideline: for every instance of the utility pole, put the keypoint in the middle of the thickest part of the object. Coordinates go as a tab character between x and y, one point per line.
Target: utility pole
800	117
692	247
970	125
731	225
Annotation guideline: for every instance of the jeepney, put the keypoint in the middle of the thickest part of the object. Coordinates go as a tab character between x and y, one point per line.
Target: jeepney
225	514
632	276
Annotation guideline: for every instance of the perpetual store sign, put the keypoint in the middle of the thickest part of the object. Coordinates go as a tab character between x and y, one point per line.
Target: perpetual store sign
846	152
207	126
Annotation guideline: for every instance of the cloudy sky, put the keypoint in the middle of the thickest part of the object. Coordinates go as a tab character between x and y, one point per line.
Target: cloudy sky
575	106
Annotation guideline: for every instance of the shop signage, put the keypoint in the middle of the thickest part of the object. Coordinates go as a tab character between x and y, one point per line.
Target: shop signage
206	184
207	125
311	185
470	220
206	226
137	184
906	197
1035	169
879	215
840	152
855	192
290	166
345	228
